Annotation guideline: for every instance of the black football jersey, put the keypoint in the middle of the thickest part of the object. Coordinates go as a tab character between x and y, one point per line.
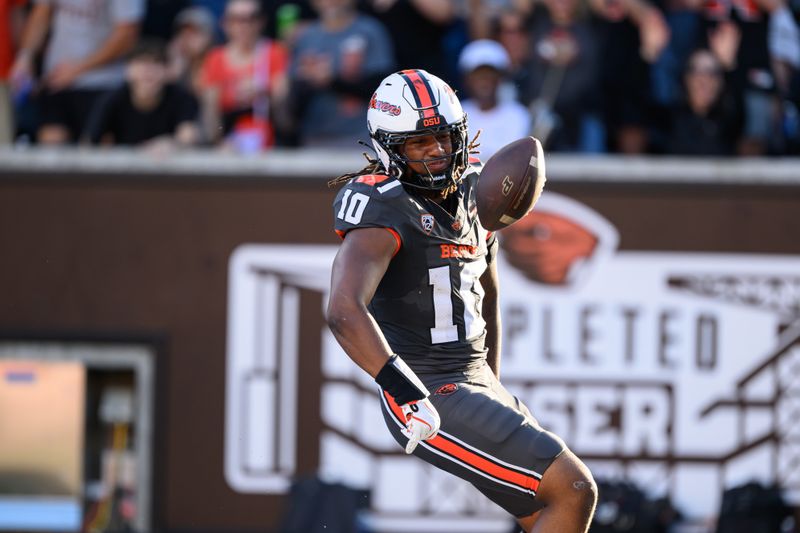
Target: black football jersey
428	304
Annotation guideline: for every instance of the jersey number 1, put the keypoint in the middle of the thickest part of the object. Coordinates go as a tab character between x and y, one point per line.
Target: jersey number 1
471	292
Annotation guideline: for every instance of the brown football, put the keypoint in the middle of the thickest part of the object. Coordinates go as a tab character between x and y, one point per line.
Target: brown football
510	183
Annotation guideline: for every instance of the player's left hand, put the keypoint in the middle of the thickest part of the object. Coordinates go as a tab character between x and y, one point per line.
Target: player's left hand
422	422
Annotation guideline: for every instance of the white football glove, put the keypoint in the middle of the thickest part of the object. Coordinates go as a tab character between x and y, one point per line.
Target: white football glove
422	422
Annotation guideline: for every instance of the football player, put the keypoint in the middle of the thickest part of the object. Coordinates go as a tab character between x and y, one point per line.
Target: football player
414	302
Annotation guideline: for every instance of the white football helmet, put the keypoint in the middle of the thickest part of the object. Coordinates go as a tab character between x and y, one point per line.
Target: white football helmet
415	102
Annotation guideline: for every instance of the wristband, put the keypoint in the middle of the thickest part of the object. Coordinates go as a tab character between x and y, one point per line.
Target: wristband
400	381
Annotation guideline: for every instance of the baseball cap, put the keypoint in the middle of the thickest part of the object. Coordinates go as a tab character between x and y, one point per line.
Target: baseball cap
483	53
197	16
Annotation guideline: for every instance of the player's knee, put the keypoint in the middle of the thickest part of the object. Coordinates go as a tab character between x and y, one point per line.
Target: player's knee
582	483
587	491
583	489
569	481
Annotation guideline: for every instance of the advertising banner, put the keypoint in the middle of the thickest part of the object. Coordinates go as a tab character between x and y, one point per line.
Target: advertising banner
672	370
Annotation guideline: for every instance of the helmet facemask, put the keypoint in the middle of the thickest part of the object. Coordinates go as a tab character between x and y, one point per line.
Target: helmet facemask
392	144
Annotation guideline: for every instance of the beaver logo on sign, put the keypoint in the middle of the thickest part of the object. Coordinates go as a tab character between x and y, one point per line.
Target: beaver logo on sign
559	243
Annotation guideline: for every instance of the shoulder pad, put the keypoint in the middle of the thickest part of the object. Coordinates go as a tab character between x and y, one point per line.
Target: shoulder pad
376	185
371	179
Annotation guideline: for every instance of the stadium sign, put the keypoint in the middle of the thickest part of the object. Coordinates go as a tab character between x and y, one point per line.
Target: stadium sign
673	370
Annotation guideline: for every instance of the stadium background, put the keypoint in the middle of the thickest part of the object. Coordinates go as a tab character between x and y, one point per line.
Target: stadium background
164	363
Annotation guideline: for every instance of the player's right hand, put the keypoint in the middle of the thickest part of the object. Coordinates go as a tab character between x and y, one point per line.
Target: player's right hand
422	422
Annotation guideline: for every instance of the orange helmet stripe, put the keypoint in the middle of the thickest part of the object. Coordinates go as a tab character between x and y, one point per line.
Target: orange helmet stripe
421	91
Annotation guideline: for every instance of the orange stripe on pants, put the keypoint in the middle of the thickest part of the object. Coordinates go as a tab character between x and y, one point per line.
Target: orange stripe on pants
471	458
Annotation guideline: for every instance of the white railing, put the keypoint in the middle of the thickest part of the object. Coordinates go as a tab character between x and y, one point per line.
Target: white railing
315	163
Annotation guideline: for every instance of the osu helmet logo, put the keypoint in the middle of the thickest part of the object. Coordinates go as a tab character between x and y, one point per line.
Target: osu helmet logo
559	241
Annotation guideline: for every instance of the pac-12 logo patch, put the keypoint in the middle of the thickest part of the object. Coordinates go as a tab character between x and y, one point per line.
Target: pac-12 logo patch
427	222
444	390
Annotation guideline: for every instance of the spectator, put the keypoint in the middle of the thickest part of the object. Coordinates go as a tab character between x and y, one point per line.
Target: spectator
565	77
286	19
217	8
84	58
784	46
684	20
510	29
416	28
708	121
483	14
10	24
785	51
191	42
752	75
632	34
484	64
241	81
159	17
336	64
146	110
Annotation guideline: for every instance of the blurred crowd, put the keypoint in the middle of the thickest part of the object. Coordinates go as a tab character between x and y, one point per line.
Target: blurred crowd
683	77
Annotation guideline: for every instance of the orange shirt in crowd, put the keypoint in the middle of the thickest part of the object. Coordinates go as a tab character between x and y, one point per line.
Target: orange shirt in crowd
6	44
270	61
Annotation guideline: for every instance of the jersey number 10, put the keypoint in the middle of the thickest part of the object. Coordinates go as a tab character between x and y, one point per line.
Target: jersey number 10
352	208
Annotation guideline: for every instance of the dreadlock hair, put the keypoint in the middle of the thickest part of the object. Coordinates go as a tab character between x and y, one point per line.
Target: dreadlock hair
374	165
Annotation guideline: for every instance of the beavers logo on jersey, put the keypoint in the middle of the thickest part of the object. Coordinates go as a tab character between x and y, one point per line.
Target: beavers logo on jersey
385	107
427	222
447	389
